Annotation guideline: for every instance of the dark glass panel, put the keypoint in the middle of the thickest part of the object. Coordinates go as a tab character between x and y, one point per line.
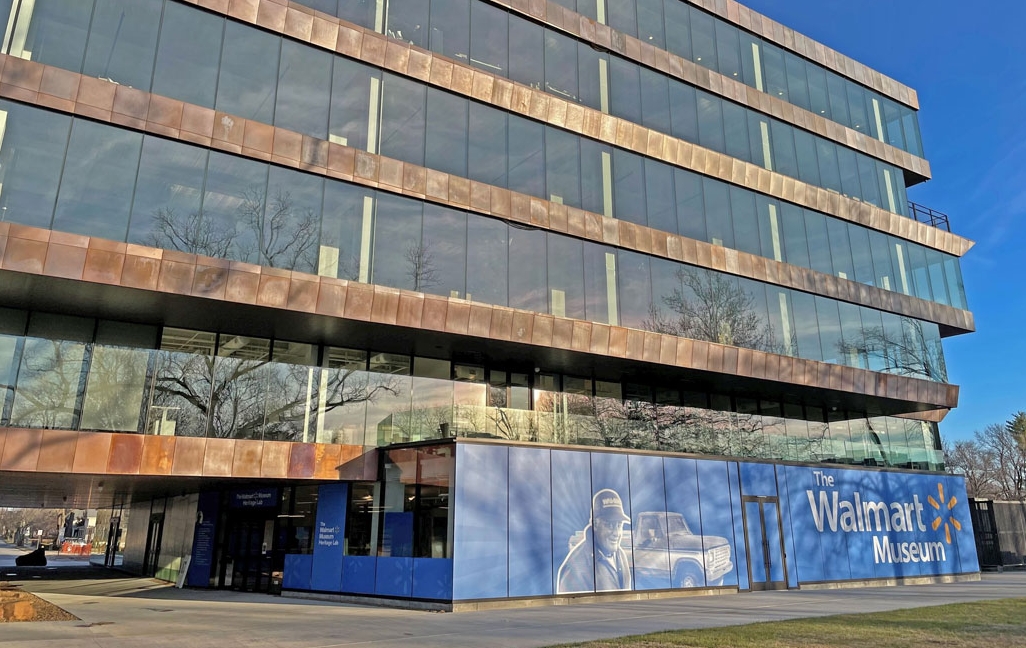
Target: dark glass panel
735	127
444	252
562	167
487	261
446	139
489	38
797	84
99	176
561	65
527	58
683	112
805	325
678	28
690	205
188	55
487	144
655	101
526	156
398	248
51	32
662	212
566	276
600	283
718	223
629	187
710	122
796	245
840	248
168	192
408	21
650	22
346	230
31	158
728	54
819	242
355	96
290	228
744	217
123	41
233	203
304	90
528	283
625	89
450	28
403	119
247	77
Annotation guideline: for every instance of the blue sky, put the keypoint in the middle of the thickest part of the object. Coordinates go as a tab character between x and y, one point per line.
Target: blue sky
966	60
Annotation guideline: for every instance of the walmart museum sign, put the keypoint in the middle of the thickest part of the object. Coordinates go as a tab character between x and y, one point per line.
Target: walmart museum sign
904	526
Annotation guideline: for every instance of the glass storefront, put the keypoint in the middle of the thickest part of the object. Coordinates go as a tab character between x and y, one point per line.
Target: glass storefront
225	385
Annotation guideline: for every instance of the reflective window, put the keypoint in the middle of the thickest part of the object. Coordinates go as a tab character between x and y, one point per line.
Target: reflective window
188	55
304	90
123	41
168	191
246	83
31	159
98	179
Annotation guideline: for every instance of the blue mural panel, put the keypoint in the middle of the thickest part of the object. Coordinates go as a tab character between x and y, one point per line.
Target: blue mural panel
480	538
297	572
572	540
892	524
359	574
329	534
720	500
530	522
789	540
650	538
811	569
758	479
531	510
394	577
432	578
688	545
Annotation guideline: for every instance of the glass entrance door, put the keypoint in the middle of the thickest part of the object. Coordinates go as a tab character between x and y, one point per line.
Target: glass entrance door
764	538
151	561
249	557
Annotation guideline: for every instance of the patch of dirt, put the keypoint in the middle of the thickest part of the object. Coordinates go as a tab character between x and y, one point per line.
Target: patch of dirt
16	605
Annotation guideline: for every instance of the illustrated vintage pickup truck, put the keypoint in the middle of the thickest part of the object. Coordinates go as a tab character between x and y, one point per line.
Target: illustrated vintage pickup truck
655	531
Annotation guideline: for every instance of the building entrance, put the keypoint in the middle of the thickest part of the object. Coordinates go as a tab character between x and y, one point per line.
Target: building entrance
249	558
764	538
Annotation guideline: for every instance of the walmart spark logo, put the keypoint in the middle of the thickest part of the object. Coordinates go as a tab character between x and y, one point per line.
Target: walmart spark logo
943	509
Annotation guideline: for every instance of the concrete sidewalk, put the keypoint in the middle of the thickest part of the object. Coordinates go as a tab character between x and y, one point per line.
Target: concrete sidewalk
122	612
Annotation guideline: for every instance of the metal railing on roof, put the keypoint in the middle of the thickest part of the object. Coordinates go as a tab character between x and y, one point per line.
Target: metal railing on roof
926	215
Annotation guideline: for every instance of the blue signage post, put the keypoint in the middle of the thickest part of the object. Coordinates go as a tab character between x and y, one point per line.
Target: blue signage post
203	541
329	534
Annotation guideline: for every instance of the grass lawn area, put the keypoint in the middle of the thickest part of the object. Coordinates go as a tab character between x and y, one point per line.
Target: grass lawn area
988	624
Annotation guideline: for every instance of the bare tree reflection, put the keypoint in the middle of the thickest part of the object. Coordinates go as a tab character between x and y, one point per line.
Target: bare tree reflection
50	380
235	398
908	353
267	228
711	307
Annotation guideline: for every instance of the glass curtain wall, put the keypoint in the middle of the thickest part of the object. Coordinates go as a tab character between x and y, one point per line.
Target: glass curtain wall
177	196
240	80
714	43
204	384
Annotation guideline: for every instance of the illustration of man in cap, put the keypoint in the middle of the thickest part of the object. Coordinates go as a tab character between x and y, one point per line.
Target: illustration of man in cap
598	563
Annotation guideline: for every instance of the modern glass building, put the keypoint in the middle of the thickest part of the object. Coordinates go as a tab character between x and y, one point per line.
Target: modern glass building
465	301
